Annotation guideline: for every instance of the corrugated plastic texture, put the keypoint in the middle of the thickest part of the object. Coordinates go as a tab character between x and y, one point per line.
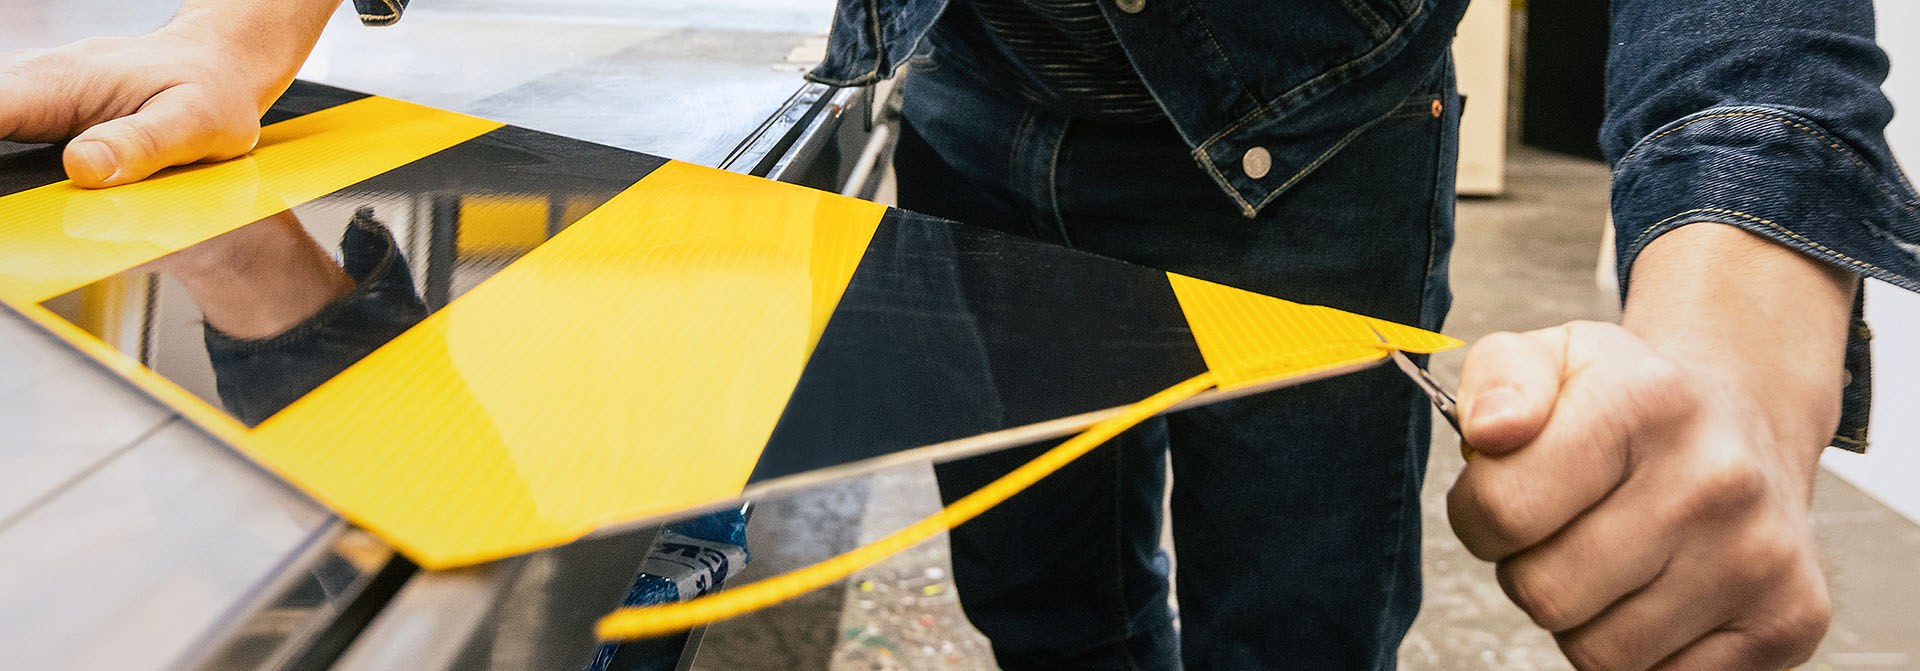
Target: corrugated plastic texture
1248	338
60	237
634	365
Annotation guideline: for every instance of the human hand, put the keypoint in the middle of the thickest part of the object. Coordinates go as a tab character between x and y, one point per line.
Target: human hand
1650	509
191	91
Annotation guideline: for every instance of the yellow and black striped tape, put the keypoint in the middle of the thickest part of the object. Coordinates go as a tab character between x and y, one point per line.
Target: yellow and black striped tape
697	333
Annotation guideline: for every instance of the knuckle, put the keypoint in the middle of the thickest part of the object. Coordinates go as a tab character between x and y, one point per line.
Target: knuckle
1501	521
1748	649
139	137
1765	649
1797	631
1590	653
1660	387
1589	327
1661	376
1499	340
199	110
1788	635
1750	565
238	137
1491	363
1541	597
1510	518
1723	490
231	125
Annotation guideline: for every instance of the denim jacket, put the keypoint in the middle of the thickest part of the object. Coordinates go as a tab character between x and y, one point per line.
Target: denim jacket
1761	114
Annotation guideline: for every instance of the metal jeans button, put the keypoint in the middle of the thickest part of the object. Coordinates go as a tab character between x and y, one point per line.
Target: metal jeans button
1130	6
1256	162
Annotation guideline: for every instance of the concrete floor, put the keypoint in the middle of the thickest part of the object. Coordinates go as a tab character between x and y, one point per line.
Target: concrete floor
1523	261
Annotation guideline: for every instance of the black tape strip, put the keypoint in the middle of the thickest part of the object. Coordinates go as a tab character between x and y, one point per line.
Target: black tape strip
948	331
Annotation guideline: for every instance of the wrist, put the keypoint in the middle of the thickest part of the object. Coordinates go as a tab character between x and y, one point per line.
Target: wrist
209	44
258	46
1762	322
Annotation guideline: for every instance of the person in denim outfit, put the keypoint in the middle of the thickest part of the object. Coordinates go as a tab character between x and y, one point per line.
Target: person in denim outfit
1643	487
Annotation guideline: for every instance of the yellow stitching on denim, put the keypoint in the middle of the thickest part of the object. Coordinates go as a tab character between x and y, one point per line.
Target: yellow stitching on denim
1220	53
1318	161
1360	8
1725	115
1858	440
879	41
1206	162
1832	143
1418	109
393	13
1639	240
1312	83
863	78
1251	209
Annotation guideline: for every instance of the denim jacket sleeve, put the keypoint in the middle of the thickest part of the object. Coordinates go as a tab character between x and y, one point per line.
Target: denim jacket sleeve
1766	115
380	12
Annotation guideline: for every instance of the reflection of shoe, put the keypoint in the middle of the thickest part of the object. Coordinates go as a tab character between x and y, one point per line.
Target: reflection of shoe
689	558
256	378
373	259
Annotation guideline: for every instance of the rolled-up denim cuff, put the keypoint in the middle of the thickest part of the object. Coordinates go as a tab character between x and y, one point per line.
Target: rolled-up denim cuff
1774	173
380	12
1856	400
1780	175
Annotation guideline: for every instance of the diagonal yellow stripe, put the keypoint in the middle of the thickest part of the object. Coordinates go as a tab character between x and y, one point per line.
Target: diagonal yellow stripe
633	365
61	237
1247	338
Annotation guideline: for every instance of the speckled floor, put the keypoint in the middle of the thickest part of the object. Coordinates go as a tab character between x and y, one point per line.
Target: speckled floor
1543	236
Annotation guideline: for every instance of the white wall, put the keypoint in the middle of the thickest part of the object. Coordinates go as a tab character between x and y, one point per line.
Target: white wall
1891	470
1480	56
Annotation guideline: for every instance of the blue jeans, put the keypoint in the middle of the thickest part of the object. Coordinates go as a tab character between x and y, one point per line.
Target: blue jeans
1295	513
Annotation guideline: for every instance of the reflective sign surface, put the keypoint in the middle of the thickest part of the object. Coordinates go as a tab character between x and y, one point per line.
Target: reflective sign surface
478	340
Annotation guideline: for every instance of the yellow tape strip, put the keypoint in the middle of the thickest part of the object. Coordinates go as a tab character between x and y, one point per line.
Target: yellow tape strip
1239	333
643	622
1246	339
634	365
61	237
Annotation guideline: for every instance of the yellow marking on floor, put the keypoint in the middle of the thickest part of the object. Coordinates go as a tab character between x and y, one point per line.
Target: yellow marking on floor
1247	338
61	237
633	365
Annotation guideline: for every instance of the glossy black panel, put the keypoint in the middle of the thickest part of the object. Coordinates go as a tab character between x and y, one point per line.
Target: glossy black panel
946	331
409	241
516	161
306	98
29	166
949	331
